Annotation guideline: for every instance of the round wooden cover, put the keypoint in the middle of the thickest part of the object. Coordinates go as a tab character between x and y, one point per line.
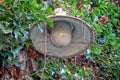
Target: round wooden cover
82	36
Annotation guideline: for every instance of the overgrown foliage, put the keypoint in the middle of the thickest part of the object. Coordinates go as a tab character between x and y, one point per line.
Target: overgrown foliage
104	16
17	16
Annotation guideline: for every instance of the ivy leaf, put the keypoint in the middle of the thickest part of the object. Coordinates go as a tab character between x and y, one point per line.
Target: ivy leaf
103	18
50	22
28	43
88	78
28	16
116	15
1	46
16	33
88	70
6	53
15	23
39	27
81	73
25	33
16	50
34	5
76	11
115	21
42	15
108	62
49	11
6	31
99	51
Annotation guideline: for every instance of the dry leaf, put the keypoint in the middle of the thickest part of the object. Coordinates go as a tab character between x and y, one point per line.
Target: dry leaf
104	18
79	5
1	1
115	2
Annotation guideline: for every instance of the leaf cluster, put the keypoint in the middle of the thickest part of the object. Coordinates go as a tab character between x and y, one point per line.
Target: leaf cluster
104	17
16	19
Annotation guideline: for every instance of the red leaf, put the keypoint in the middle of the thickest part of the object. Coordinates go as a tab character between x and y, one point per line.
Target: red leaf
79	5
104	18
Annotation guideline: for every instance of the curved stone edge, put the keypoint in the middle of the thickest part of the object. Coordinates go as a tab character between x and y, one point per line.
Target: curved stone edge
80	52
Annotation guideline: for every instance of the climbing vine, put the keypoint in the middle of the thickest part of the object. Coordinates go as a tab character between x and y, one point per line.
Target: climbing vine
16	18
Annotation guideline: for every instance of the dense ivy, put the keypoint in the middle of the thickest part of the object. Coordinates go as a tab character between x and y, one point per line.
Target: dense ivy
17	16
104	16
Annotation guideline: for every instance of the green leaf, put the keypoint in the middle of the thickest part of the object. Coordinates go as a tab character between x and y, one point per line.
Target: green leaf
15	23
34	5
63	6
16	50
28	16
88	70
116	15
48	11
89	78
16	33
99	51
1	46
42	15
25	33
5	31
50	22
40	28
4	53
28	43
76	11
81	73
39	74
115	21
